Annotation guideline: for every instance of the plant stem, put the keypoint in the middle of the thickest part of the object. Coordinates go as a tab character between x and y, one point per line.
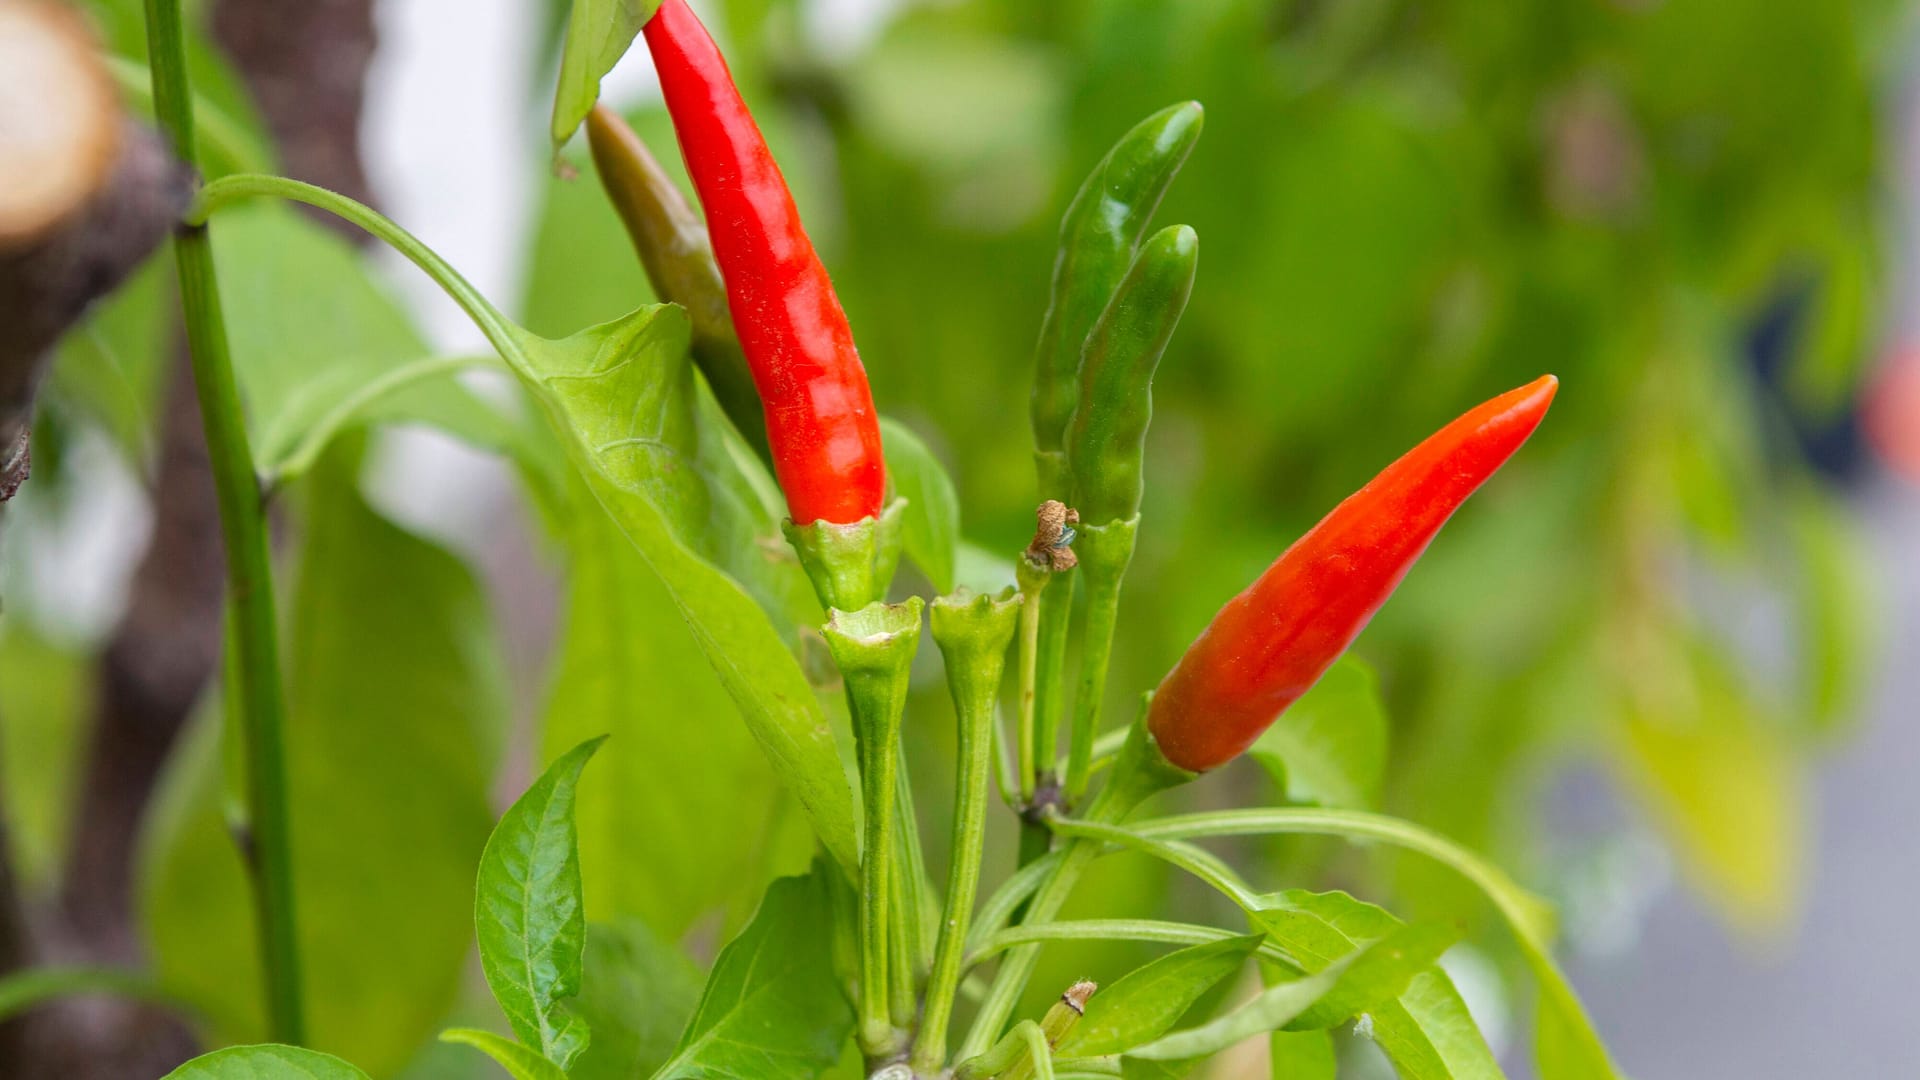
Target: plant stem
255	674
500	333
1105	551
1056	611
973	637
1139	773
873	648
1033	584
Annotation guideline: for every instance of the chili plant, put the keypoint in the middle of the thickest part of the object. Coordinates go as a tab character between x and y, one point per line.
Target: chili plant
729	438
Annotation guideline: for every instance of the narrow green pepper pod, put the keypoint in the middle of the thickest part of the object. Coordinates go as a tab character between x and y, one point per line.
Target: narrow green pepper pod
671	239
1102	227
1098	237
1107	439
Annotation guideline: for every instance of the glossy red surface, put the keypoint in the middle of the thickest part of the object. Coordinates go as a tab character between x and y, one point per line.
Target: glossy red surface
1271	643
820	417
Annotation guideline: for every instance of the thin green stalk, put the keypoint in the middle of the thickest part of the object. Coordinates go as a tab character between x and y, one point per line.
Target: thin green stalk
875	1006
1140	773
1056	613
918	908
973	633
1026	1040
1033	588
256	673
1105	551
873	648
243	186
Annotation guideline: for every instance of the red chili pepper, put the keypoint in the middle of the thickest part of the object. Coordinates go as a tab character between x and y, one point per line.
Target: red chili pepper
1271	643
821	423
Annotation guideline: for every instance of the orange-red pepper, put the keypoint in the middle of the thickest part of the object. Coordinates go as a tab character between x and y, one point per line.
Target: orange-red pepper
821	424
1271	643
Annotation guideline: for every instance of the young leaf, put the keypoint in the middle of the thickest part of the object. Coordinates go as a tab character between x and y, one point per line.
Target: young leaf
1146	1002
395	708
527	911
682	770
636	993
598	35
521	1062
1425	1030
932	527
266	1062
1330	748
1302	1055
1275	1006
773	1008
625	398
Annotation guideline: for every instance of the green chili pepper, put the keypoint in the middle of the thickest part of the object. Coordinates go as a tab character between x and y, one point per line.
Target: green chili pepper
1107	440
673	246
1098	237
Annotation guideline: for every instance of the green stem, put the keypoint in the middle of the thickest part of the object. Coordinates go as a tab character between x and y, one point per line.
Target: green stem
256	673
1033	585
499	331
972	634
908	958
1024	1040
874	648
1105	551
1140	772
1056	612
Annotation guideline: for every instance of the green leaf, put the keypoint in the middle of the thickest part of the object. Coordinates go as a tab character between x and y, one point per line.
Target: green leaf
1302	1055
521	1063
1837	617
1146	1002
114	364
598	34
527	911
1272	1009
1724	782
773	1009
932	526
636	993
1425	1030
395	708
682	771
318	345
1330	748
267	1062
625	398
45	695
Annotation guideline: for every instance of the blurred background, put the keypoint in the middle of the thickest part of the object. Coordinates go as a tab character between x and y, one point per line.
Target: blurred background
1663	669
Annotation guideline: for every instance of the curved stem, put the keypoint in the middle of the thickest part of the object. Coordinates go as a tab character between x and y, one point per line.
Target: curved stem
500	331
254	634
1529	916
321	433
1148	930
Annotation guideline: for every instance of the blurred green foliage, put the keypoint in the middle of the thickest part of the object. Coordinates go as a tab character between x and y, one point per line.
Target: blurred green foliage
1405	207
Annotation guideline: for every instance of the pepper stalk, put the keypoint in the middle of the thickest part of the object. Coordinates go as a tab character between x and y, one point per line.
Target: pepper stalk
973	633
874	649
